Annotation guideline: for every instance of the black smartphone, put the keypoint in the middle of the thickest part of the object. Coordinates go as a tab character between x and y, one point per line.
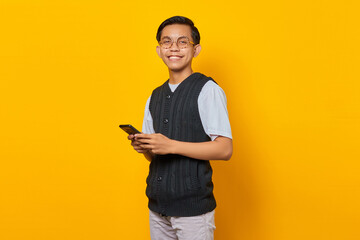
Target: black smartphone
129	129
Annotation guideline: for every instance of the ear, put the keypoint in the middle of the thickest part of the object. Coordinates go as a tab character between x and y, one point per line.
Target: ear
158	51
197	50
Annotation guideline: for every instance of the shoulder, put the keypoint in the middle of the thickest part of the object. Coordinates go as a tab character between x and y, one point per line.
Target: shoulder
212	88
211	84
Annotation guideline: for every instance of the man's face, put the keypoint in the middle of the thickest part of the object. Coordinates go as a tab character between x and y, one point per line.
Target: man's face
177	59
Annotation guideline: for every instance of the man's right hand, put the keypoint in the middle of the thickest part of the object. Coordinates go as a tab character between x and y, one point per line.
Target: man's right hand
136	144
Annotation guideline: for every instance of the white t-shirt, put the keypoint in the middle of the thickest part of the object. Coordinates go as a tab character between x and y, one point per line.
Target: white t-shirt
212	108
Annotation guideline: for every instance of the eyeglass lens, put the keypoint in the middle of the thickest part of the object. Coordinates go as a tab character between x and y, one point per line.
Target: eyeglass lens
182	42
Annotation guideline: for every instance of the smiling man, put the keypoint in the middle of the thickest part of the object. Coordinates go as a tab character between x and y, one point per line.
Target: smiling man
185	125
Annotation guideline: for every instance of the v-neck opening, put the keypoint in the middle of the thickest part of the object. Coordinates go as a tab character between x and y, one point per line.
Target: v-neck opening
180	84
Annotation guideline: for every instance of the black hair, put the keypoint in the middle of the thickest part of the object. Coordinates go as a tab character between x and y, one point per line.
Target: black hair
180	20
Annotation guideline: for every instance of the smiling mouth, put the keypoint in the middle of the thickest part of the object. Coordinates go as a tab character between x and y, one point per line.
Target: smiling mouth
174	57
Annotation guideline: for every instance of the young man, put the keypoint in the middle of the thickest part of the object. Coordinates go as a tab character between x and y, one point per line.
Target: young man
186	124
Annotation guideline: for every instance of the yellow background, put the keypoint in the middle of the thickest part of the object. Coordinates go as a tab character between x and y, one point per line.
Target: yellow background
71	71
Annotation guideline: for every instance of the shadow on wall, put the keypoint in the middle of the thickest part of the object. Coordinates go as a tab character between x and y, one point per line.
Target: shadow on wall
236	189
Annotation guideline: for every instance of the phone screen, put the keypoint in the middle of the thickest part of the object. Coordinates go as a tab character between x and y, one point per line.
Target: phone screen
129	129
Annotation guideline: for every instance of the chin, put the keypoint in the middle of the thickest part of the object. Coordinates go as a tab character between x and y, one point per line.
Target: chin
176	68
173	69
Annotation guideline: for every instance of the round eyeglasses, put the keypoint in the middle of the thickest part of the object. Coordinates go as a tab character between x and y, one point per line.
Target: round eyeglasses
181	42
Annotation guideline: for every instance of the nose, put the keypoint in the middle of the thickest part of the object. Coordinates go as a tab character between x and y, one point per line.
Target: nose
174	47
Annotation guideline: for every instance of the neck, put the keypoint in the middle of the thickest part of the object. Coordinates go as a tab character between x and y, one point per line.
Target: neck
178	77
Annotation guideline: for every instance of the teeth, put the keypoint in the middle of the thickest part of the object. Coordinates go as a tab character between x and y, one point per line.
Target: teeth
174	57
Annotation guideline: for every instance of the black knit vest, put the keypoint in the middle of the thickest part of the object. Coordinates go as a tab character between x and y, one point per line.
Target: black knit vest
179	185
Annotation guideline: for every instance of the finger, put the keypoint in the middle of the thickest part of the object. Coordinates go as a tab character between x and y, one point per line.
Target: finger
144	141
135	144
139	149
131	137
142	151
146	146
142	136
138	142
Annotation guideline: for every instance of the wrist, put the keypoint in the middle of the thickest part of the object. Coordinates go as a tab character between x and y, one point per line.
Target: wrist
173	147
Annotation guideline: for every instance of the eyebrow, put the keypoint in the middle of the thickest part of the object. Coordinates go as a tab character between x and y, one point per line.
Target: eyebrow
177	38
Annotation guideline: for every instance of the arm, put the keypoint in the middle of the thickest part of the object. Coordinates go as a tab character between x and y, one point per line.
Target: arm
219	149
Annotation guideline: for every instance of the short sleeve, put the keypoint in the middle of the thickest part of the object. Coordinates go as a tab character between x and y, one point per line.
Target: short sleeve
147	126
213	111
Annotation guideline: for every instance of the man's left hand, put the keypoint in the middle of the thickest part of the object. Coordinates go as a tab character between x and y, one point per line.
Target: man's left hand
156	143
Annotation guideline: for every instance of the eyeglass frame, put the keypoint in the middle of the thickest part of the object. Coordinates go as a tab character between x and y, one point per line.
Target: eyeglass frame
177	42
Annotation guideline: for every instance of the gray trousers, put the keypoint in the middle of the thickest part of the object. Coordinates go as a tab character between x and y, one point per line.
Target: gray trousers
182	228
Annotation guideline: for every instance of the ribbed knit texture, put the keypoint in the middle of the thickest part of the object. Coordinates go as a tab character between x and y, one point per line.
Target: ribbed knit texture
179	185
